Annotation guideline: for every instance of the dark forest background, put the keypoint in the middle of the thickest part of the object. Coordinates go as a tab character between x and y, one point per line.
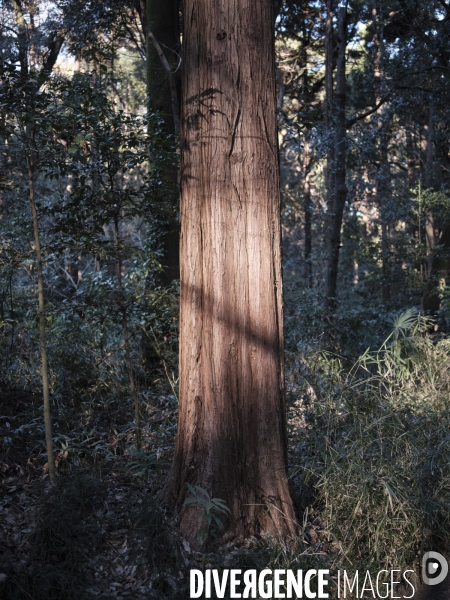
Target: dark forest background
88	125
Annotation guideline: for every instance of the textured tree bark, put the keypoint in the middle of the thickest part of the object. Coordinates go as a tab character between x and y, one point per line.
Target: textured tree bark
162	25
340	151
231	436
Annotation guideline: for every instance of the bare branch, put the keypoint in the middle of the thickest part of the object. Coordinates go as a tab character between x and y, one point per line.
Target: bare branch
54	46
369	112
138	46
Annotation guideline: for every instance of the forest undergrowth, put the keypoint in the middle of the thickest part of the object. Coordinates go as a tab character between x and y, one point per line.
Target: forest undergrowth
368	448
374	445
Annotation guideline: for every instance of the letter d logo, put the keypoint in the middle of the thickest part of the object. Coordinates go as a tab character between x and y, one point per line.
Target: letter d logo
434	568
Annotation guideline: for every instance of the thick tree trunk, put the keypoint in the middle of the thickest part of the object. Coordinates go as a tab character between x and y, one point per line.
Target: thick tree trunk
231	436
160	23
340	151
162	19
163	36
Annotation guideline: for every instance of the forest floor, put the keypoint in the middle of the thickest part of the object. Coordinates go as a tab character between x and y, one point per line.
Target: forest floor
101	533
35	553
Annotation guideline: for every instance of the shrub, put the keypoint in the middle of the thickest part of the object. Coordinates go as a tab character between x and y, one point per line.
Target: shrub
380	447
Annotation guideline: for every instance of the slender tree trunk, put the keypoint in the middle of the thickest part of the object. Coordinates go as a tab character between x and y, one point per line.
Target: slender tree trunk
384	194
231	437
133	390
438	264
340	151
77	63
308	211
384	176
411	159
429	218
22	38
430	301
329	97
307	165
126	339
41	312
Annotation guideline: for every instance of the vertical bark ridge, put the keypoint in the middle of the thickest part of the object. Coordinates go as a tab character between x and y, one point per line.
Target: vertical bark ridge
232	441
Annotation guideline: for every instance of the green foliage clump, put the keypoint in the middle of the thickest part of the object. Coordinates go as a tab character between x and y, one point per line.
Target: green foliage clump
211	508
101	202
